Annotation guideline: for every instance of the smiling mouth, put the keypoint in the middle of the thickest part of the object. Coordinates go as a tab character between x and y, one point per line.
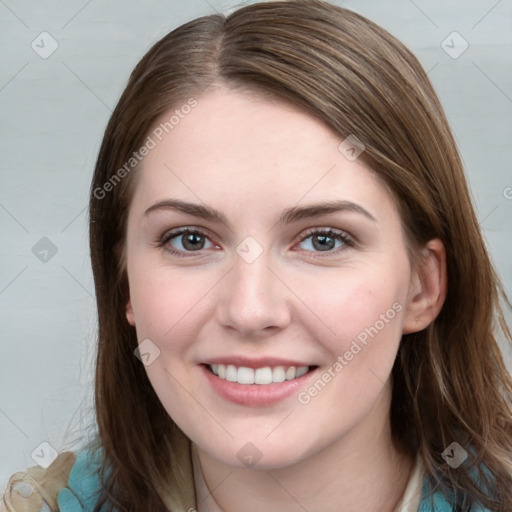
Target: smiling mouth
258	376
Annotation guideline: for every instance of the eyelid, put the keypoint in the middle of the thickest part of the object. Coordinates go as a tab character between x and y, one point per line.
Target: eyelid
338	234
163	241
172	233
326	230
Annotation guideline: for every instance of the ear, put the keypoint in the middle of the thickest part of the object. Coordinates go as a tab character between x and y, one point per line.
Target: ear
427	290
129	313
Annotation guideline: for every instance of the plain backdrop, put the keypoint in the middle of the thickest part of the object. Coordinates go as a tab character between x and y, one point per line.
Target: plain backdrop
55	107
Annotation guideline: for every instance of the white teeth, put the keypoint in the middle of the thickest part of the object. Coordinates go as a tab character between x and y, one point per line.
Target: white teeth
290	373
301	371
278	374
245	375
261	376
231	373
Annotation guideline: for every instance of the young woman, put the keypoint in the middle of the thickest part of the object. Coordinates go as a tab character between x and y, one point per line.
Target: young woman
296	307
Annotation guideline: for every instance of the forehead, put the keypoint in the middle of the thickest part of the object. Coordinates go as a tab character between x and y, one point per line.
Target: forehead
257	149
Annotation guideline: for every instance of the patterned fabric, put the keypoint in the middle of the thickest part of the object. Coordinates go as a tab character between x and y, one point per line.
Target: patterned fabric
83	487
81	494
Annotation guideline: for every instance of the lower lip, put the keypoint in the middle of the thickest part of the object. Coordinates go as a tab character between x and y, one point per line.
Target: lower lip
255	395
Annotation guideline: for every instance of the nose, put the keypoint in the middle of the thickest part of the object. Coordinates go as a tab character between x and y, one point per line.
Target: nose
253	301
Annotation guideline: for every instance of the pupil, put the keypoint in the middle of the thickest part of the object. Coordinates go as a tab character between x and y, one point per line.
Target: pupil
192	239
322	246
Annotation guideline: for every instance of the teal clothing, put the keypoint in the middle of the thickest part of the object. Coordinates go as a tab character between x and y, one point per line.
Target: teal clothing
81	494
83	487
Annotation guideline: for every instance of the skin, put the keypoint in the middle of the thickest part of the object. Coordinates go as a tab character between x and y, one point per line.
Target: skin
251	158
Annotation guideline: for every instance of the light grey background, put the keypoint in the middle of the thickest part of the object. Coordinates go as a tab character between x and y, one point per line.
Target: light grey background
54	112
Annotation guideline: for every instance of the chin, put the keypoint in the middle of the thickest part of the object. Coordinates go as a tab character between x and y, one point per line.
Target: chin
246	452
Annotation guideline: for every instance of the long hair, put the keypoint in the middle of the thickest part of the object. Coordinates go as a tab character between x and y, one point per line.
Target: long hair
450	383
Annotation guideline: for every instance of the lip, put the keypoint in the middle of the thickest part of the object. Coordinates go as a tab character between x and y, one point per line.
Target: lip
257	362
254	395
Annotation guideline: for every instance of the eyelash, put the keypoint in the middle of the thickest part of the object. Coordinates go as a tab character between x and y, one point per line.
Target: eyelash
331	233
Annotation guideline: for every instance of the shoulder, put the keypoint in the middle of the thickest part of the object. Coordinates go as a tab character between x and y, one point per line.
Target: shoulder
436	501
83	486
433	501
70	484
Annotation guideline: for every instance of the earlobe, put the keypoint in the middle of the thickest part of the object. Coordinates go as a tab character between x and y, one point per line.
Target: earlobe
129	313
428	287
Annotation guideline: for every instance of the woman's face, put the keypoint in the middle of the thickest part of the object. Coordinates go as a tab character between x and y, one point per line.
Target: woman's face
262	288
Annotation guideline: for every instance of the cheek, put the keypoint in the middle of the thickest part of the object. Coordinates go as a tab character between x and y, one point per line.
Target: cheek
365	312
169	306
356	304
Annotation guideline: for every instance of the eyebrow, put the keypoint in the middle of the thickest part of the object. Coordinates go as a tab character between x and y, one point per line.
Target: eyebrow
288	216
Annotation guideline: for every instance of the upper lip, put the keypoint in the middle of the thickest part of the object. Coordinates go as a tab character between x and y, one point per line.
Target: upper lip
259	362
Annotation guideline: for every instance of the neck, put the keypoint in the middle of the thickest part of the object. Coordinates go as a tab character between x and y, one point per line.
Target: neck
362	471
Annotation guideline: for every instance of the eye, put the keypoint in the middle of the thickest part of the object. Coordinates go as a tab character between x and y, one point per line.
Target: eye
190	240
324	240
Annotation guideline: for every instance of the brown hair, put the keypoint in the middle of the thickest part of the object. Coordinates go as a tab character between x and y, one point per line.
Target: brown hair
449	380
